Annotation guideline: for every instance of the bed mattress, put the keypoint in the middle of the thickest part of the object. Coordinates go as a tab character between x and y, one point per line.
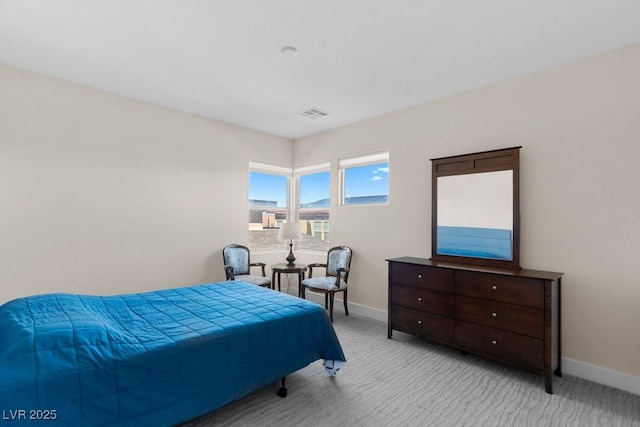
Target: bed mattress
154	358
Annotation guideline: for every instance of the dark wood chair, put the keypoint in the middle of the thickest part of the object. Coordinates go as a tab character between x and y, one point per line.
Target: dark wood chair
335	280
237	266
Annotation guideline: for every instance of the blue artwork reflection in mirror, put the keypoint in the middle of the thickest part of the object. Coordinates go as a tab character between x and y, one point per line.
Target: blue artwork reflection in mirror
475	215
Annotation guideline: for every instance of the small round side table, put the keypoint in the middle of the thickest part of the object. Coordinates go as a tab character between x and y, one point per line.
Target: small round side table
278	269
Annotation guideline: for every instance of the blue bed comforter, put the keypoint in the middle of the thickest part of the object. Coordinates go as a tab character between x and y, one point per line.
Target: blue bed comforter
155	358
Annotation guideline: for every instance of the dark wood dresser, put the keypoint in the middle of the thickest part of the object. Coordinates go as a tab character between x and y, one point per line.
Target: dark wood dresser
512	316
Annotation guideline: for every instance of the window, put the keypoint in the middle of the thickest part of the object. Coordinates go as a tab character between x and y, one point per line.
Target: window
364	180
268	204
313	183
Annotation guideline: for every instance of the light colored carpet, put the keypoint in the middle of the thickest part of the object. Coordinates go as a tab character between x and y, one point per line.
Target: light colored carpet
406	381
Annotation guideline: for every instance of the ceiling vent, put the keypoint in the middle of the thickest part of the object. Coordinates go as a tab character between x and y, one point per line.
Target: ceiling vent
313	113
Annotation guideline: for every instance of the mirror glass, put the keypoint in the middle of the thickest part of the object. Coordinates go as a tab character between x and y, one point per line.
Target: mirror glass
475	215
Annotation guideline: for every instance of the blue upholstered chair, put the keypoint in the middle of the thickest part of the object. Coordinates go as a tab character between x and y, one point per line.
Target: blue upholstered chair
237	266
335	279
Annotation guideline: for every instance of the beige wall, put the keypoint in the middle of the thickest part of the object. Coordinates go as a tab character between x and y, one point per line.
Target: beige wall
580	131
104	194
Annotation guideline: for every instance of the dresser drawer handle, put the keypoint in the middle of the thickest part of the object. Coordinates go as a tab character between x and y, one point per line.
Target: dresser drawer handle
494	342
419	299
419	276
419	322
494	287
494	314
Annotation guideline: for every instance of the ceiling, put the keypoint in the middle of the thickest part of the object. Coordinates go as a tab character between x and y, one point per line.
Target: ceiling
356	59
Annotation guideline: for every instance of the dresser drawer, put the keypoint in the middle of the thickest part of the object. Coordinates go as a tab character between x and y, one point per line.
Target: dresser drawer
423	299
514	290
438	279
422	323
505	346
508	317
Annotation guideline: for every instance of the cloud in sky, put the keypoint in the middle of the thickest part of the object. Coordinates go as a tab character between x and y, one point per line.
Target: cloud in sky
376	171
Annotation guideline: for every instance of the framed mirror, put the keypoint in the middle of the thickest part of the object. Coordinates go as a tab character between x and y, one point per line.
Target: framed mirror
476	208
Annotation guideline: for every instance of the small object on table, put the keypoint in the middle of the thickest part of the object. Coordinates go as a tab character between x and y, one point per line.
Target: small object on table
290	231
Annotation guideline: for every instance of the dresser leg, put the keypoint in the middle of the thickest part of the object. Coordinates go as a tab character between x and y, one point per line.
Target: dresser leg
548	383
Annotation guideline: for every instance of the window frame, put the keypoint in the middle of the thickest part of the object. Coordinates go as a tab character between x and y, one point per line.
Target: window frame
358	161
270	169
299	172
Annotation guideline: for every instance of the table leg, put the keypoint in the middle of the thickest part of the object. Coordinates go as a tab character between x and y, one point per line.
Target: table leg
273	280
300	279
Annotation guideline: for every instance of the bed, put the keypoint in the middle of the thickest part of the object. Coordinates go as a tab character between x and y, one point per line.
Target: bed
154	358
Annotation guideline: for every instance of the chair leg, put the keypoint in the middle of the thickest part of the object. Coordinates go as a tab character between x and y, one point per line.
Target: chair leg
346	310
331	295
326	297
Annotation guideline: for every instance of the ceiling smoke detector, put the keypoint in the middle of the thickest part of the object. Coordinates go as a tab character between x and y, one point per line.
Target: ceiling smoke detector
313	113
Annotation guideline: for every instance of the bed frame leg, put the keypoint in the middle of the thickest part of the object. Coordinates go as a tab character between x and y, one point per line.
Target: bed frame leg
282	392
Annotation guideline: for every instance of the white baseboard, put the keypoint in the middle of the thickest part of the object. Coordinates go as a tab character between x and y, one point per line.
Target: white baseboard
360	310
597	374
600	375
363	310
